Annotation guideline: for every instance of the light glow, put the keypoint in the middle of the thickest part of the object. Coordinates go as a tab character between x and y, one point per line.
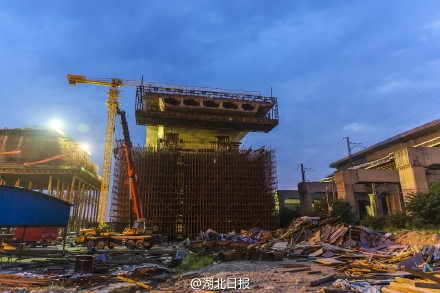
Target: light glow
85	147
56	124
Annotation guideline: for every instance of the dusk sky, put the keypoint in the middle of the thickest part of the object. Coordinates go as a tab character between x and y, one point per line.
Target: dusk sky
367	70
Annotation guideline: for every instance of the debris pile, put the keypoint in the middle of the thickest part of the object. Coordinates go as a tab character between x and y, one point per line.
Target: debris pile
325	252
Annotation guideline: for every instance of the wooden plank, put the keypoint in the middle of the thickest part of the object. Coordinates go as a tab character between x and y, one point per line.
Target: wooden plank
404	280
329	260
134	282
336	290
313	272
422	274
294	265
427	285
419	283
316	253
410	288
322	280
388	290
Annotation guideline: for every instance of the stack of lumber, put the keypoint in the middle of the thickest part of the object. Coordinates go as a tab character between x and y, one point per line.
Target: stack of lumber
362	267
421	283
8	281
312	230
407	285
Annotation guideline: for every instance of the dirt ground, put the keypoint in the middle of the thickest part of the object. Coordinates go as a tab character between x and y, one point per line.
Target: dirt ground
286	275
238	276
232	276
264	276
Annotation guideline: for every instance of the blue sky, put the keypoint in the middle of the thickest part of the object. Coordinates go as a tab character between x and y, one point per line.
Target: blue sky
366	70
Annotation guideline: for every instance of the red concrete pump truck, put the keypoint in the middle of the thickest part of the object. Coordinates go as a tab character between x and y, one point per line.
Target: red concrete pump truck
140	234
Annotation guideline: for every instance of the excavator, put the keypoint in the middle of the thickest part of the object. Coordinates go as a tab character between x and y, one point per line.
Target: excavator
140	234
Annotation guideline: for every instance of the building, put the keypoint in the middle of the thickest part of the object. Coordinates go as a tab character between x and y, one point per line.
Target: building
377	180
311	193
193	175
288	199
50	162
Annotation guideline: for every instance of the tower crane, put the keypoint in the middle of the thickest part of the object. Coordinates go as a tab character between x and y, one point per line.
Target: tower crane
112	106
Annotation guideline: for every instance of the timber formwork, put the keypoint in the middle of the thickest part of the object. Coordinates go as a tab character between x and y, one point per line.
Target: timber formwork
185	192
50	162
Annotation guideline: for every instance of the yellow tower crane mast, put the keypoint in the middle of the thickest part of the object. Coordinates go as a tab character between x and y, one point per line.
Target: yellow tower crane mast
112	106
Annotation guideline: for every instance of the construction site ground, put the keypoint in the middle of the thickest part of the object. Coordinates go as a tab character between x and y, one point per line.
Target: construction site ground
42	269
311	255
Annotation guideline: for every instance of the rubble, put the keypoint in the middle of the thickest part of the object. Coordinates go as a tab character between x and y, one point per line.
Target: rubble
312	254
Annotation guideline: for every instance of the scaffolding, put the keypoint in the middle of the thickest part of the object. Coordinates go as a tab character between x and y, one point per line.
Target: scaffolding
186	192
192	174
50	162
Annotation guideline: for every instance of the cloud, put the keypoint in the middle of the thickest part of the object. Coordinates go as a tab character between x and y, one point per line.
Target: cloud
353	127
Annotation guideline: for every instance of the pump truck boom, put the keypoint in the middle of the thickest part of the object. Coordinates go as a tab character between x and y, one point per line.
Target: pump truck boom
132	178
139	234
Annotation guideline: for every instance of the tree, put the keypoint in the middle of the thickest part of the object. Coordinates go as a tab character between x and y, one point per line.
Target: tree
287	215
343	210
425	207
320	208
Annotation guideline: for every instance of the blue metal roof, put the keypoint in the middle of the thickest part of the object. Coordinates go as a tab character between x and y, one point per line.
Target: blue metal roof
25	207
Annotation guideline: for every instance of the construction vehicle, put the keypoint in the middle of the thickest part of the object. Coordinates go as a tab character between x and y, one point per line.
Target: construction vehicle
140	234
92	234
35	236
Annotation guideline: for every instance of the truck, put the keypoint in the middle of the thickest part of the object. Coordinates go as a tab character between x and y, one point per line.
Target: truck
89	236
141	233
34	236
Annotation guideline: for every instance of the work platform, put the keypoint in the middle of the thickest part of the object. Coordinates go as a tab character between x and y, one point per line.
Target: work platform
207	109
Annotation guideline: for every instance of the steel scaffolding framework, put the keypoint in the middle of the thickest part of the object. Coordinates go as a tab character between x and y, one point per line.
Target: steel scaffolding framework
186	192
192	174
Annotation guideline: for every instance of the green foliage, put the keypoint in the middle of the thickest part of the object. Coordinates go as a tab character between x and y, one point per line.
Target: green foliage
194	262
425	207
375	223
397	220
343	210
320	208
287	215
389	222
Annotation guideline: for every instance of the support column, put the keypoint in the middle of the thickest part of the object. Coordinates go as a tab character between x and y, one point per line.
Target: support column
344	180
49	186
409	163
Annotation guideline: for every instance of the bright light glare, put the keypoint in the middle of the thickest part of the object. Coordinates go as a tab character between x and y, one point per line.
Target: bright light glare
56	124
85	147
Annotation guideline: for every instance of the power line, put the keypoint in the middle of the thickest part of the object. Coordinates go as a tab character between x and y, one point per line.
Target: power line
414	118
303	172
417	97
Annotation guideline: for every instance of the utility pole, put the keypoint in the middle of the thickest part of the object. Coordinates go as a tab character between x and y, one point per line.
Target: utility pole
303	172
349	151
349	148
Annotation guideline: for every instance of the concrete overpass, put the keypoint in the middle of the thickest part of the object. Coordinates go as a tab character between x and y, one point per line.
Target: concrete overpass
377	180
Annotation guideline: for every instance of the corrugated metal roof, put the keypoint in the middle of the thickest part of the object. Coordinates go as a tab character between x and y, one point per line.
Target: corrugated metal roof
25	207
